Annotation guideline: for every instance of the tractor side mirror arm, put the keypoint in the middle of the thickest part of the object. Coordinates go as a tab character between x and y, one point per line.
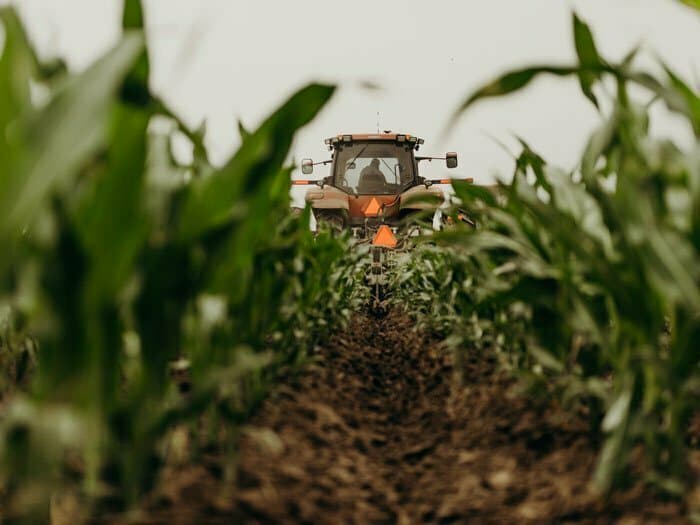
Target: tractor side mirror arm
450	159
307	165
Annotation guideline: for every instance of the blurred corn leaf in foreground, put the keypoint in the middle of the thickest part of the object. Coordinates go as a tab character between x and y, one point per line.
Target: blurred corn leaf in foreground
692	3
123	261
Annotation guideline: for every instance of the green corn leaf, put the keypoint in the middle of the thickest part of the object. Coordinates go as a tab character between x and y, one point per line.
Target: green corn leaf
210	202
196	136
17	68
613	455
65	134
678	97
135	88
617	413
239	249
692	3
610	460
670	261
545	358
573	200
598	144
690	98
510	83
242	131
529	158
588	57
423	200
111	220
132	17
467	192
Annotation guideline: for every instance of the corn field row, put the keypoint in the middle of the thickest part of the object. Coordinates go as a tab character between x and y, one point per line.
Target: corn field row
120	261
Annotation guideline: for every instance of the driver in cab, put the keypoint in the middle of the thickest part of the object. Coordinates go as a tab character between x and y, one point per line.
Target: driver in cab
371	178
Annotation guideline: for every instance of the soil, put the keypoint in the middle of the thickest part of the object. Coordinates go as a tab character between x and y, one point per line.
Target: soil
378	431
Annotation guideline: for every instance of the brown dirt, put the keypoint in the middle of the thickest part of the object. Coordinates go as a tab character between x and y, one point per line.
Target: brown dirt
377	431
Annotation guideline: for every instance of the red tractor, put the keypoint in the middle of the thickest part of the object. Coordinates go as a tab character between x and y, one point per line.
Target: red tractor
373	189
374	184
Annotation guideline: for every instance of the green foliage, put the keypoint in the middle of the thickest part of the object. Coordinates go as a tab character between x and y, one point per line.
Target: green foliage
120	262
123	261
17	354
588	56
692	3
586	283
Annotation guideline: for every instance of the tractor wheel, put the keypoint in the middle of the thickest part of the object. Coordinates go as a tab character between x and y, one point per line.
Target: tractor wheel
335	221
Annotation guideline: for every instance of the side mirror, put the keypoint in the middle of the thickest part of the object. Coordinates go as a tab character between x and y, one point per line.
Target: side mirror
307	166
451	159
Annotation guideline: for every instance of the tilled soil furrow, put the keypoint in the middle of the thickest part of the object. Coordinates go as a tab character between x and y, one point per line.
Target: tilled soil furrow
370	414
378	431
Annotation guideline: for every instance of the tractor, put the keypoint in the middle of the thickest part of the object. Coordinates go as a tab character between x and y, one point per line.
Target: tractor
374	189
373	182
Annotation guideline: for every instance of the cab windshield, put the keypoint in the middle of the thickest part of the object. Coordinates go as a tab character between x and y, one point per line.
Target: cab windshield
373	168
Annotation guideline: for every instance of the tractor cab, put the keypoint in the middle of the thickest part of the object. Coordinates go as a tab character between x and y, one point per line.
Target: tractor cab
374	180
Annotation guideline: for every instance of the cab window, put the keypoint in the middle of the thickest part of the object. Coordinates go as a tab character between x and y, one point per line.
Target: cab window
373	168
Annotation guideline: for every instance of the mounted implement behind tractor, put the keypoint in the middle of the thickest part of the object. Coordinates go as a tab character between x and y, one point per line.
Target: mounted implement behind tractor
374	189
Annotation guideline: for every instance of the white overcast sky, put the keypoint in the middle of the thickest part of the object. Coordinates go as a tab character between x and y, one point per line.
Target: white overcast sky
220	60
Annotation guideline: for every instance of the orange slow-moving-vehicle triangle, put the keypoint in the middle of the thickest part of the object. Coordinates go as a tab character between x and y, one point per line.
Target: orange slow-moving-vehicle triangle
384	237
373	207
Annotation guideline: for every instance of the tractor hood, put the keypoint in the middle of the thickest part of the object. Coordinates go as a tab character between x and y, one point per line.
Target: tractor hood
327	198
416	198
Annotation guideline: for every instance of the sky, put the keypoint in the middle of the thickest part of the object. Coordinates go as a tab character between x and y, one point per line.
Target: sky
223	60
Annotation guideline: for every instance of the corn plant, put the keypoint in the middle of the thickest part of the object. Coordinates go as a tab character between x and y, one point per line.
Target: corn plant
121	261
590	280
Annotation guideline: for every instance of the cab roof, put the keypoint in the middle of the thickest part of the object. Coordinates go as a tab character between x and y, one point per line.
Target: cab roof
386	135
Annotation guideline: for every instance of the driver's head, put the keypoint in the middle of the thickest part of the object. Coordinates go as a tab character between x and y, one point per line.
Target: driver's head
374	163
